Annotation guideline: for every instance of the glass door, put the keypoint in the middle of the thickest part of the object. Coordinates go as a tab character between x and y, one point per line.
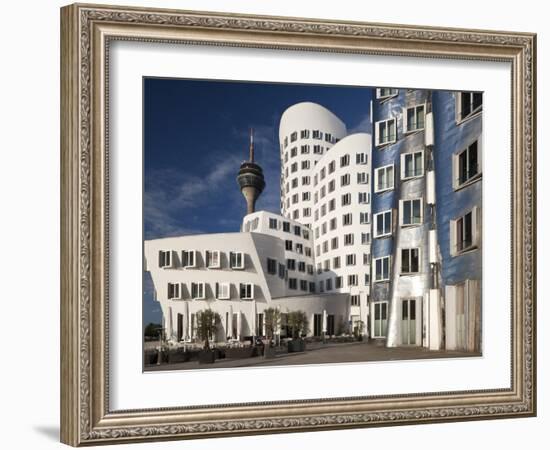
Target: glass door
408	322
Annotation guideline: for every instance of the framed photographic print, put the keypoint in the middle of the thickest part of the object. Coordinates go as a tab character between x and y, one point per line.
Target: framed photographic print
277	224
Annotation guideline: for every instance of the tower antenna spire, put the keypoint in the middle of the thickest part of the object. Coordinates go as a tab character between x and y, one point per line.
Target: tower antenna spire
251	145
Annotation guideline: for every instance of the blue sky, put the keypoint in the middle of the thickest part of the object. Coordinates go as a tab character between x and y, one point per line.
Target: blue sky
195	138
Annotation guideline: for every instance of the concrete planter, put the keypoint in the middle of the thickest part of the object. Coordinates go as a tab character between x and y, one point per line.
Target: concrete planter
240	352
296	345
269	352
207	357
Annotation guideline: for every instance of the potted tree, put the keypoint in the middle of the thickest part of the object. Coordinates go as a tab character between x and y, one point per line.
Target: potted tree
207	324
298	323
272	324
358	330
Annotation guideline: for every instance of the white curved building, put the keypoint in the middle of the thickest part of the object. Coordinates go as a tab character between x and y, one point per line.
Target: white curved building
307	131
326	185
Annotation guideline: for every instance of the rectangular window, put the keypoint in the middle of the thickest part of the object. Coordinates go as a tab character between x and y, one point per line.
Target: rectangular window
326	265
350	259
328	137
364	218
353	280
468	104
364	198
307	212
271	266
411	212
383	93
334	243
346	199
301	266
385	132
299	248
303	285
304	134
383	224
331	167
361	158
223	291
273	224
347	219
246	291
344	160
336	262
292	283
304	149
174	291
325	246
294	136
293	152
165	259
188	258
345	179
294	168
282	270
383	178
286	227
412	165
414	118
382	268
329	284
197	291
311	286
365	238
317	134
305	182
318	149
348	239
291	264
366	259
355	300
465	232
310	269
362	178
466	165
236	260
213	259
338	282
288	245
305	165
410	260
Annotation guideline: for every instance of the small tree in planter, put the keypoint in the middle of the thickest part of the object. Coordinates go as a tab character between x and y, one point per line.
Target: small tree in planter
208	322
272	323
358	330
298	323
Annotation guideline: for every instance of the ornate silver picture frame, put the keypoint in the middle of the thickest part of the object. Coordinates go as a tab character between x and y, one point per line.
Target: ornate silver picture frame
87	33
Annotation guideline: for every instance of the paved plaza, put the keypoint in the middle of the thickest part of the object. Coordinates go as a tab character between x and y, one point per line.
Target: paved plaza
318	353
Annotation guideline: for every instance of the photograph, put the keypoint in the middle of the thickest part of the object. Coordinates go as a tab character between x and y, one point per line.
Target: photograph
295	224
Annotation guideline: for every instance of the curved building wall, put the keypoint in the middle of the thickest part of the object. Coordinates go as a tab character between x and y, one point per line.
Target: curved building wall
401	290
344	172
306	132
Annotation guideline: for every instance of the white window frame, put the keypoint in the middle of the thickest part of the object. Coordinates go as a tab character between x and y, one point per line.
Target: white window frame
377	136
231	261
201	294
247	286
363	198
402	210
361	158
220	288
170	263
346	196
375	221
179	295
376	279
385	170
403	165
476	232
209	258
456	165
362	177
458	107
406	109
186	265
364	218
393	93
345	179
419	260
